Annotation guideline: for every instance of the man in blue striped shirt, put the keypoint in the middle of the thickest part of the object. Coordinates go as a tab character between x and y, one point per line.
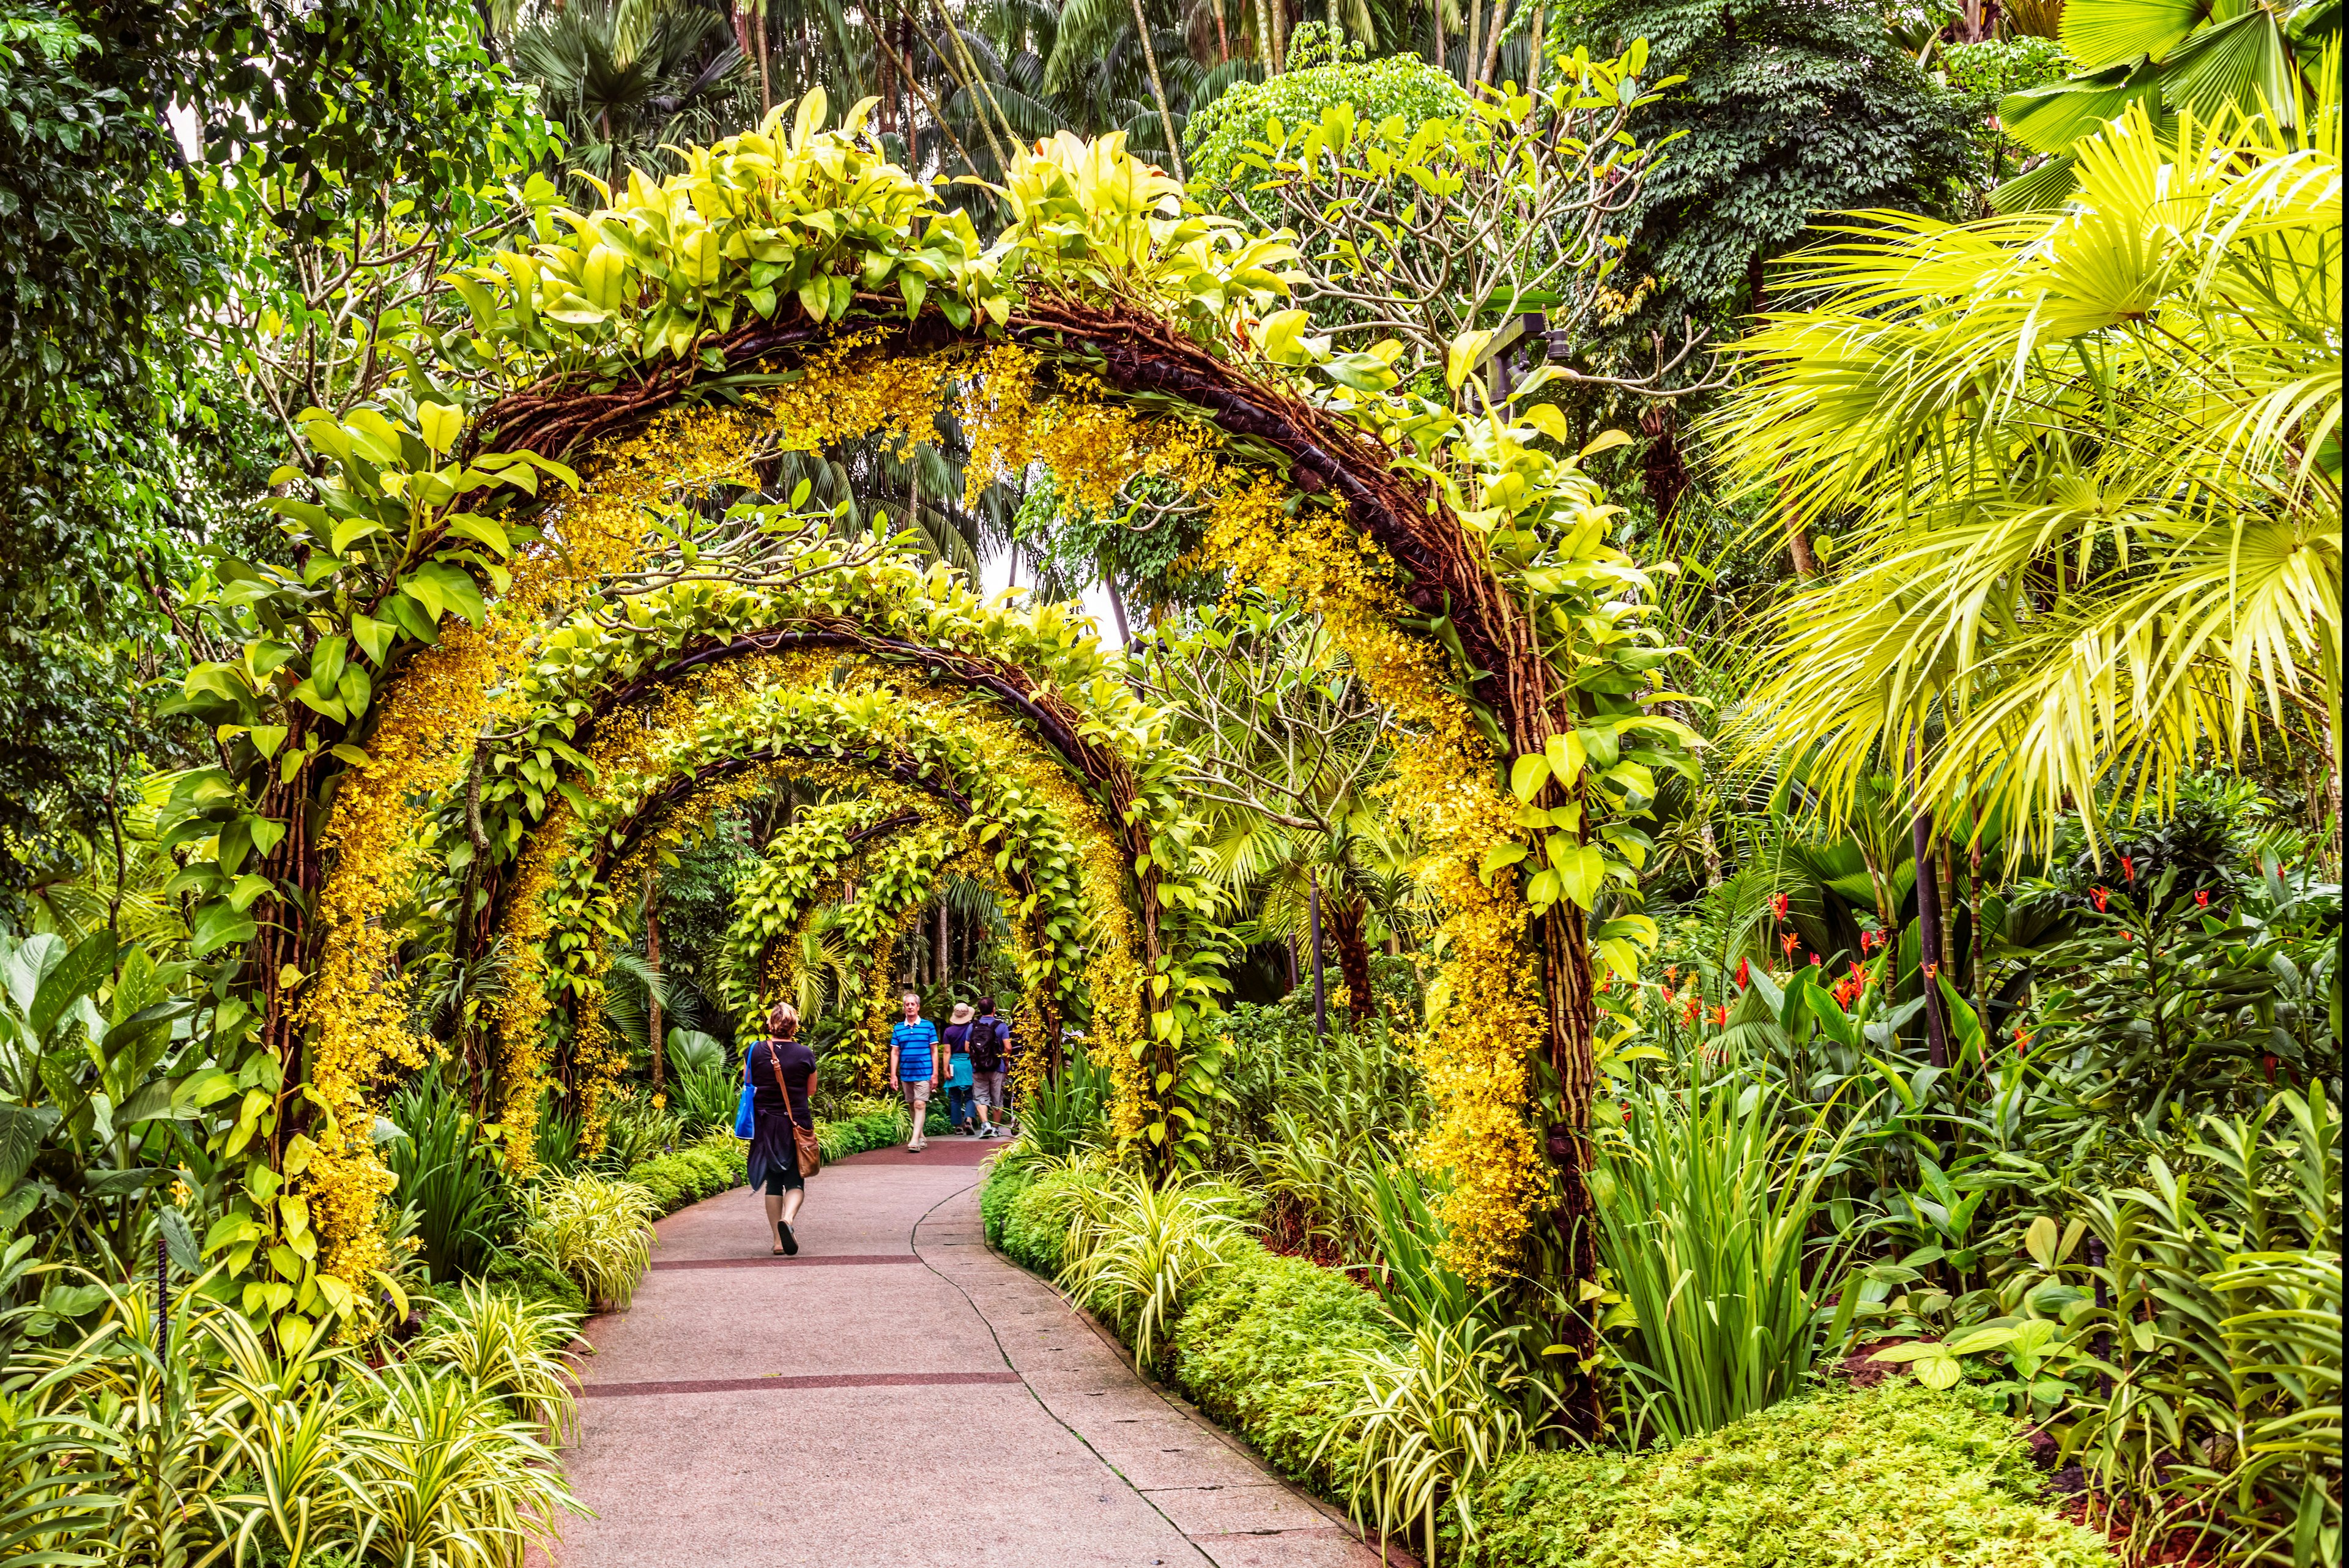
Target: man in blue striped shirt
914	1065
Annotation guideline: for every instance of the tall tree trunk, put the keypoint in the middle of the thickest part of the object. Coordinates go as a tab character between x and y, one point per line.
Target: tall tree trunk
1222	39
1158	88
1321	988
653	1035
766	76
1347	913
1492	41
1573	1029
1475	41
1922	850
1117	607
1435	31
943	976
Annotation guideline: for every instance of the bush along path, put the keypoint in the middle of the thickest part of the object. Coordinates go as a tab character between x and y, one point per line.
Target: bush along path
896	1393
1281	1348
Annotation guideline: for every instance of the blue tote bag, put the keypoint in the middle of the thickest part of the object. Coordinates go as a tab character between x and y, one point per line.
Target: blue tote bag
746	1124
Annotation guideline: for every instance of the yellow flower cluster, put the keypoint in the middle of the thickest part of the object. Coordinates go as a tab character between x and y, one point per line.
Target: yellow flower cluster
1484	1007
356	1006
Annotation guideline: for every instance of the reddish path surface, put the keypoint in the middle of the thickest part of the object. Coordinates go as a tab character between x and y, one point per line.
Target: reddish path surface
897	1394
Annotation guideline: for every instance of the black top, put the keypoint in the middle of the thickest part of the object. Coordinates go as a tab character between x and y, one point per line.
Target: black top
798	1065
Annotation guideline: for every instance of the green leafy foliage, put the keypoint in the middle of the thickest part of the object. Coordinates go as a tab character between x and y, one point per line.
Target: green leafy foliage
593	1229
1706	1208
452	1179
1778	113
1896	1475
1218	137
718	1163
2168	62
1265	1347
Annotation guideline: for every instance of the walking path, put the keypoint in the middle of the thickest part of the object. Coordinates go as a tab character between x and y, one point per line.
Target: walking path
897	1395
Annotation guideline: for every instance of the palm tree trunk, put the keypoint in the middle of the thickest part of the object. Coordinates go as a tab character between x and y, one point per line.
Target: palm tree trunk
1347	912
1321	988
1158	88
1435	30
1475	38
1492	41
1223	39
1929	923
1264	36
943	975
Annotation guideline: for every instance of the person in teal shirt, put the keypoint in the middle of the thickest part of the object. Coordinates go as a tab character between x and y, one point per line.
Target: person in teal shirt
914	1065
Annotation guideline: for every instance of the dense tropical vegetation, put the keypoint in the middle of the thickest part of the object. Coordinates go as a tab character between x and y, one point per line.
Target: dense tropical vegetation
1904	445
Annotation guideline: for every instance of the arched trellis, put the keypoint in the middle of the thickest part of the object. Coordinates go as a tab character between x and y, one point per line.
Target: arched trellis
1460	561
560	935
810	859
900	868
810	862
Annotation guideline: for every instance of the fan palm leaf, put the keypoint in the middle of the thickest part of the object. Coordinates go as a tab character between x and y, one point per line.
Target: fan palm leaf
2093	459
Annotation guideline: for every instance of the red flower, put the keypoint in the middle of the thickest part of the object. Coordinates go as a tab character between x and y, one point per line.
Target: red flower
1858	976
1779	906
1816	960
1789	941
1932	972
1867	940
1695	1006
1744	972
2021	1040
1672	974
2101	898
1721	1017
2201	897
2127	935
2128	869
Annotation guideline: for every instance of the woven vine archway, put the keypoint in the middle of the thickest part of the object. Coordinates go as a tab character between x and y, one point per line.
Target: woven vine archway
788	289
884	858
560	916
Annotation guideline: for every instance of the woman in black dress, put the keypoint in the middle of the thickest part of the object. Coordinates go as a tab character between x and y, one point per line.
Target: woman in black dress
770	1067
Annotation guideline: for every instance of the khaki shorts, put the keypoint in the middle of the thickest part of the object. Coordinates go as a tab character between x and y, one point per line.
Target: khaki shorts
987	1087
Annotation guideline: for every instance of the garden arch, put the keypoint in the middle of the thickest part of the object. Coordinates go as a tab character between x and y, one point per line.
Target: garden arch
789	285
559	932
812	862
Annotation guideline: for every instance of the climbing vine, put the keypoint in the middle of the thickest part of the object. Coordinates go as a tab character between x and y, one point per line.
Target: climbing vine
788	288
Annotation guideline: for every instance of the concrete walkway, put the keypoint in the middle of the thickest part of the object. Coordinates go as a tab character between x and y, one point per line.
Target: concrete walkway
897	1394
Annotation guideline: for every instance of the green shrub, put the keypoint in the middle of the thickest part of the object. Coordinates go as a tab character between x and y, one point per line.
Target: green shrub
595	1230
1004	1181
1265	1347
521	1274
1035	1228
704	1170
1890	1477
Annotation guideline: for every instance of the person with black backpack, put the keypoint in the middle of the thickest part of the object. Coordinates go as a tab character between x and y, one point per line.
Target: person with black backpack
991	1041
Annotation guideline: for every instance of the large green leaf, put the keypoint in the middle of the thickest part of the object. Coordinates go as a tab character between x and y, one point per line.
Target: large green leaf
2245	63
2051	116
2101	33
78	976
